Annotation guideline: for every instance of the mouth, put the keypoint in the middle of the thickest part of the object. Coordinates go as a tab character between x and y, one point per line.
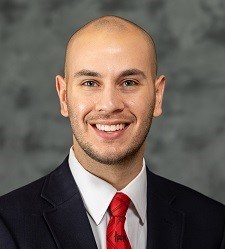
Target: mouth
110	132
110	128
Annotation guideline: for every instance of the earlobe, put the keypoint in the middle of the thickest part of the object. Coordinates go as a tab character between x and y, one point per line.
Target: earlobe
159	90
61	90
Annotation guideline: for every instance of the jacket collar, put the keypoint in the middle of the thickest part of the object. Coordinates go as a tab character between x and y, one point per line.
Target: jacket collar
67	219
165	223
69	224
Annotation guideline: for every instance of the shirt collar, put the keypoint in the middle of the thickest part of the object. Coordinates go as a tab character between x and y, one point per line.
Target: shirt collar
137	191
97	193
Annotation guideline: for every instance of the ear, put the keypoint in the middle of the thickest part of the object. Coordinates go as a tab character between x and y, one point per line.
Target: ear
61	90
159	90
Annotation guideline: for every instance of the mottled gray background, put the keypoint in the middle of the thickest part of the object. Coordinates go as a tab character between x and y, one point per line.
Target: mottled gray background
187	144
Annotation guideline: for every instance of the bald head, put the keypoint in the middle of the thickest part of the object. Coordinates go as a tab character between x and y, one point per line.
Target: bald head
117	26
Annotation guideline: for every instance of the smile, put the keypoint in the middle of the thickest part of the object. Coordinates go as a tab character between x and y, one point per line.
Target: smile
111	128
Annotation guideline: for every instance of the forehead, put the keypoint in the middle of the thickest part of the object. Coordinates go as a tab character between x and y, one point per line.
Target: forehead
109	48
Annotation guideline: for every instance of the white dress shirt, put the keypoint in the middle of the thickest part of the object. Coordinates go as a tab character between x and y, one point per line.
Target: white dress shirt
97	195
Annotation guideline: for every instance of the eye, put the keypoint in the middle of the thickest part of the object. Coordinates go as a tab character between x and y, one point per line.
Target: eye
90	83
128	83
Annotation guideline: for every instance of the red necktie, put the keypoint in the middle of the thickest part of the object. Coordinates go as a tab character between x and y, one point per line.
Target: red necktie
116	236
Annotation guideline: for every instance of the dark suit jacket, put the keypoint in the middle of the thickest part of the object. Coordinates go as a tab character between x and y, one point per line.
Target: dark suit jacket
49	214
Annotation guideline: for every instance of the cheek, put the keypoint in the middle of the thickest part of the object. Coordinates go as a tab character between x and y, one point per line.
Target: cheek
79	106
142	104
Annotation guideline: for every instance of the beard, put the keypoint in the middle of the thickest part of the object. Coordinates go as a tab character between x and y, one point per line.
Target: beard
112	156
117	157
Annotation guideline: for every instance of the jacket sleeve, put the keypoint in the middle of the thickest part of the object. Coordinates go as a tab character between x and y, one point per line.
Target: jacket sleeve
6	240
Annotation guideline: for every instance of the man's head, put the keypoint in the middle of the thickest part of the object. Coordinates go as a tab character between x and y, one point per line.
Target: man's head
110	90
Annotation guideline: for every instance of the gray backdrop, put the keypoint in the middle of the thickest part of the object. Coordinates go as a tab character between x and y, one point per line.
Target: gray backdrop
186	144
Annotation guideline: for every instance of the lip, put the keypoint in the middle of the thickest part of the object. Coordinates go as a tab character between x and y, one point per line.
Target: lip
111	135
109	122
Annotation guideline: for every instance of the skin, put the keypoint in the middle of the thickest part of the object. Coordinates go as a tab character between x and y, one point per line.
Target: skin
110	78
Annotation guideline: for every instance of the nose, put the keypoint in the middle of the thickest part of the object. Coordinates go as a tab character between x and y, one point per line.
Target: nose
110	100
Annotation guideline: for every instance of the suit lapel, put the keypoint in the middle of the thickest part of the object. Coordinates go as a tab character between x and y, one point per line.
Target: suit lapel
70	227
165	224
67	219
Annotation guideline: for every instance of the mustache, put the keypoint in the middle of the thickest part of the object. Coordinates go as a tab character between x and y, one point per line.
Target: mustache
102	116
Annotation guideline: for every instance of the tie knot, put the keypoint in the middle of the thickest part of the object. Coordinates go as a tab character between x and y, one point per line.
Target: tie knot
119	204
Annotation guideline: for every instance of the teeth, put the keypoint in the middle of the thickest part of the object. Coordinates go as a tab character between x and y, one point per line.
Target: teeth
110	127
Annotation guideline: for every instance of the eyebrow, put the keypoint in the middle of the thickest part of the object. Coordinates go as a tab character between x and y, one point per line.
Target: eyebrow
132	71
85	72
127	72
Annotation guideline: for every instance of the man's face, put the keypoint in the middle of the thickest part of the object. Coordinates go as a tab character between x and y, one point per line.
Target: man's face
110	95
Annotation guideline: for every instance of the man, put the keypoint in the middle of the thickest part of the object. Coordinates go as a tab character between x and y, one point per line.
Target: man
103	195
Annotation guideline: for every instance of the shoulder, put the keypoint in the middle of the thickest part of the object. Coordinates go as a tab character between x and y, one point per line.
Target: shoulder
25	196
29	198
183	197
25	199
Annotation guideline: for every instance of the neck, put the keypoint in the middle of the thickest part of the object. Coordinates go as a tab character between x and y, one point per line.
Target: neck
118	175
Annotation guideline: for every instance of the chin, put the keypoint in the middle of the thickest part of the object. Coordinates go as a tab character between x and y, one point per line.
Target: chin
111	158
